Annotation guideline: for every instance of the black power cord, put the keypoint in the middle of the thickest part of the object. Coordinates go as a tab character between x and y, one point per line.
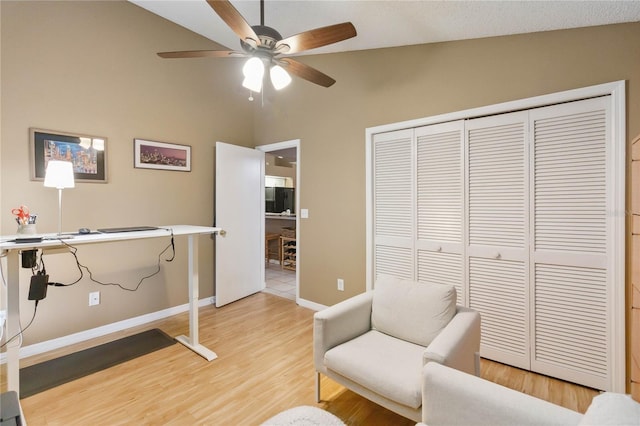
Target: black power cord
36	293
73	250
35	309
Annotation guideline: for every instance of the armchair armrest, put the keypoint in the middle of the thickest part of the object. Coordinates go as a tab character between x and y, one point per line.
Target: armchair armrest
451	397
340	323
458	343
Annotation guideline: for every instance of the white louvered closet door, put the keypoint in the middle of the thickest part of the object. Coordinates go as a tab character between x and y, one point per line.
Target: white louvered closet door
440	205
525	218
393	189
570	244
497	224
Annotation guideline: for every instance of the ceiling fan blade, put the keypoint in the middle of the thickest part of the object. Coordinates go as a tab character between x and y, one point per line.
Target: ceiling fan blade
306	72
234	20
317	38
200	54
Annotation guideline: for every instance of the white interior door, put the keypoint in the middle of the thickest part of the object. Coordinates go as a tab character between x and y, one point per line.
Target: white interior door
240	213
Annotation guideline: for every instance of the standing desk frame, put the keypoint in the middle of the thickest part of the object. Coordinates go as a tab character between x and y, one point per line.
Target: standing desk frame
13	250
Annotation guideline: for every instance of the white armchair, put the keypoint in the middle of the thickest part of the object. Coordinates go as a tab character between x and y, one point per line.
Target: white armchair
452	398
377	343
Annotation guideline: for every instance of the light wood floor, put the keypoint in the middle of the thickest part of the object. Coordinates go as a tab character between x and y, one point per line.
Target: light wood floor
264	345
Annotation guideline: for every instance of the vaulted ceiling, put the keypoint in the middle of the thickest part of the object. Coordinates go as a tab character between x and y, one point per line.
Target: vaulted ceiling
390	23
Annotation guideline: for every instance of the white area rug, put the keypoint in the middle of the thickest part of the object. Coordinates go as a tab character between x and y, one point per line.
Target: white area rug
304	416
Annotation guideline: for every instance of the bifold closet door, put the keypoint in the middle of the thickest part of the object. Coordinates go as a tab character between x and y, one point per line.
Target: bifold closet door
523	212
569	250
440	205
497	226
393	192
419	204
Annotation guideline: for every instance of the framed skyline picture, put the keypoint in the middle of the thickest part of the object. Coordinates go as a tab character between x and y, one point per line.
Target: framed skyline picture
161	155
87	153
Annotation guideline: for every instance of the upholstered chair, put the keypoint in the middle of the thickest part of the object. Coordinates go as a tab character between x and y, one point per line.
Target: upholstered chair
451	398
377	343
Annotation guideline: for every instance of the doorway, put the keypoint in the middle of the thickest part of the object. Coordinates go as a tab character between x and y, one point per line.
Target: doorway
282	206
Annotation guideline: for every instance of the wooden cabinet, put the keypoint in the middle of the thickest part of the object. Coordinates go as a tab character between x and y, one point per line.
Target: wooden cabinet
269	253
288	253
635	269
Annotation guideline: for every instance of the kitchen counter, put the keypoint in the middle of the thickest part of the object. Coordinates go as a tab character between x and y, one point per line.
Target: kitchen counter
276	223
279	216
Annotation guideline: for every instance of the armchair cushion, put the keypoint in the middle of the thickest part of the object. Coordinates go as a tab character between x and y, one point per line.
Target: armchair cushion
426	309
397	365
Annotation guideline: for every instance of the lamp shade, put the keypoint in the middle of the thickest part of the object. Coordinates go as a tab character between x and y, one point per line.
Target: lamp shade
59	175
279	77
253	71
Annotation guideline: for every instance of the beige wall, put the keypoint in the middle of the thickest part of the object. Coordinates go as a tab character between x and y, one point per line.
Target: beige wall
389	85
273	169
90	67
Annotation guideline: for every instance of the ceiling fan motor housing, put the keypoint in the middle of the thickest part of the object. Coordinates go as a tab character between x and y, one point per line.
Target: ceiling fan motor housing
268	38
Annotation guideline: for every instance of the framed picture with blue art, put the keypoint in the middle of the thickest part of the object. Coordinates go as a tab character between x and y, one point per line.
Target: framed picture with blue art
87	153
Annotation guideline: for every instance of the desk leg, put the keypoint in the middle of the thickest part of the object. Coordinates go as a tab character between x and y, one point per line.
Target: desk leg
191	341
13	321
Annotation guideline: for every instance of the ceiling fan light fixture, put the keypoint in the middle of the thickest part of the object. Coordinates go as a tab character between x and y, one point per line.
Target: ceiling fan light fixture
279	77
253	71
263	45
255	85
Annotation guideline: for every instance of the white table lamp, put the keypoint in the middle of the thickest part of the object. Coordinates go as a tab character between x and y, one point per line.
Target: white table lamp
59	175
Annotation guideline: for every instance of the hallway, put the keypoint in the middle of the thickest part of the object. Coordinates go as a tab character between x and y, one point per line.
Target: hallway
280	282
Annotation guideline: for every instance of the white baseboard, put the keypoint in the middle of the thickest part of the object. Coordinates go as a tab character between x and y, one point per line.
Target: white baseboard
49	345
310	305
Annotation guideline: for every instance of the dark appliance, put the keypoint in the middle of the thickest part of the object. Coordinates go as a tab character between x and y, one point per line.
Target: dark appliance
279	199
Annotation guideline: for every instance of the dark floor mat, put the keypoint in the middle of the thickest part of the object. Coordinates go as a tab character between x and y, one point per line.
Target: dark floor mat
52	373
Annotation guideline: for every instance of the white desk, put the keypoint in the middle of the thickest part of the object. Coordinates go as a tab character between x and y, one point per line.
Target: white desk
13	284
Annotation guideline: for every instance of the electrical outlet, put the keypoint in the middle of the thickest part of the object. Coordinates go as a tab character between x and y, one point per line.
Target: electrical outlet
94	298
340	284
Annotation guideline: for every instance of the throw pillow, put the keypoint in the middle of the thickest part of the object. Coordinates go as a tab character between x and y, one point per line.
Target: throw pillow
410	310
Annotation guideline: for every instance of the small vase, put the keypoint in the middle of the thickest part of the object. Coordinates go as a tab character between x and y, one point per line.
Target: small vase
29	229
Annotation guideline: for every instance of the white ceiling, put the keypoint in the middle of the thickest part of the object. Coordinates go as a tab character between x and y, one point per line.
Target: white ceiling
390	23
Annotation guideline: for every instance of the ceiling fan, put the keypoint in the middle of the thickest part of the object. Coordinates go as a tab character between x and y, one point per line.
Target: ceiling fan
263	46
